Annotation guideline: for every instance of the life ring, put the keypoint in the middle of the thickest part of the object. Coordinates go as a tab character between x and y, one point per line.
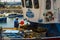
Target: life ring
49	16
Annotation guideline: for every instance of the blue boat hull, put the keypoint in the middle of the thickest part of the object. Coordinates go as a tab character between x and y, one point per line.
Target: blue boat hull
13	16
4	19
53	29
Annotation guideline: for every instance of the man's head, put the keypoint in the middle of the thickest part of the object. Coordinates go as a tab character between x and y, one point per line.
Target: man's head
16	18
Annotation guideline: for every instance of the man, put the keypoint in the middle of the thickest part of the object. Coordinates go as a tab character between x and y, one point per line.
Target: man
16	23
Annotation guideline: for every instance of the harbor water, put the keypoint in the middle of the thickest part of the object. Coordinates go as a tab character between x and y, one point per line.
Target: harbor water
9	23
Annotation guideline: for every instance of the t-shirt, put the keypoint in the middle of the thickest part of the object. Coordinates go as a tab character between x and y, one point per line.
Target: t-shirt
22	22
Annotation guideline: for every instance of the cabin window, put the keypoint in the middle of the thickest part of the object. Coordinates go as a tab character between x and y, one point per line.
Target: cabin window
36	4
48	4
22	3
28	3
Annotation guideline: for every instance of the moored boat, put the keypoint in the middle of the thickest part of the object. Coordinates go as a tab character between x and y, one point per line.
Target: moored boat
3	18
14	15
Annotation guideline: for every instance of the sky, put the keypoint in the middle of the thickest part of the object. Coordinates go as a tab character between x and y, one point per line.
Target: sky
10	0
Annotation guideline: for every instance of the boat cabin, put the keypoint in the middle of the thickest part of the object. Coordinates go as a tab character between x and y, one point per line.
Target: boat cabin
41	11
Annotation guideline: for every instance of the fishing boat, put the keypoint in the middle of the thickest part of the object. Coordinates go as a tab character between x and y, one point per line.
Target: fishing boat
43	13
3	18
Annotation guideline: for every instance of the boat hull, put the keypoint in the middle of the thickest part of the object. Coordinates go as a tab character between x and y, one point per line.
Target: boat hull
15	15
3	19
